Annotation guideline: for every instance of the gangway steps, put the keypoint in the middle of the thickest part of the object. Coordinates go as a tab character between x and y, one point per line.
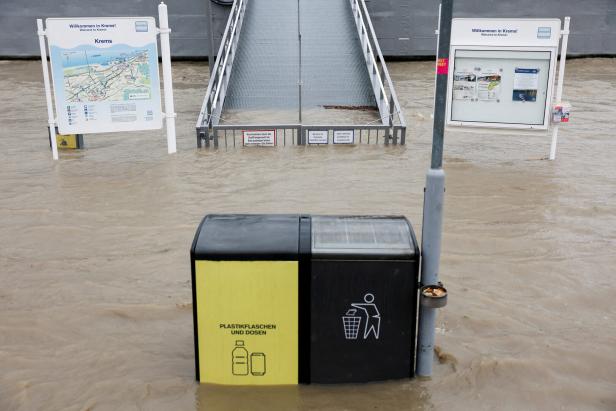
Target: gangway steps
295	56
266	71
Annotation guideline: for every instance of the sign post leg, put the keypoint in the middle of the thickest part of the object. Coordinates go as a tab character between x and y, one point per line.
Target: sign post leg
50	115
170	115
561	80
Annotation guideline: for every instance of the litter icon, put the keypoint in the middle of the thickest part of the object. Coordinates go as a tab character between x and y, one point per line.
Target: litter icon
351	323
352	320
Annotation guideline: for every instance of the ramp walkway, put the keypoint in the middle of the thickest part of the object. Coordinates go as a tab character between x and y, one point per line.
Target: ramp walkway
295	56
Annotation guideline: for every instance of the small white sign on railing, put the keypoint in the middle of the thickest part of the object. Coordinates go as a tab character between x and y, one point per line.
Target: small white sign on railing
318	137
265	138
344	136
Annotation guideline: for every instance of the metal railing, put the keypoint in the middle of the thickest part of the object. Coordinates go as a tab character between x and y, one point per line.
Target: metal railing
390	128
384	92
219	80
296	134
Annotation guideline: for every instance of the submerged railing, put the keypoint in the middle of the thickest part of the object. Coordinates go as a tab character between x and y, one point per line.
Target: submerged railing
224	135
390	128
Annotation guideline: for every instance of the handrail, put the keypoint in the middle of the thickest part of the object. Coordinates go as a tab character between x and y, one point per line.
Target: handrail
224	65
392	91
370	50
226	44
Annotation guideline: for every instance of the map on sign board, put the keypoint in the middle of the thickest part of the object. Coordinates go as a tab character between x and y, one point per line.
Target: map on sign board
105	74
93	76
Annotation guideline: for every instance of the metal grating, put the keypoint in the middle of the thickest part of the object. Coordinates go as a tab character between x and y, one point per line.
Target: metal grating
333	68
266	70
344	68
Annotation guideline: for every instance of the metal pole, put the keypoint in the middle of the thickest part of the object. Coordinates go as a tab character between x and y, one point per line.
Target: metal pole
434	197
211	60
164	30
299	82
561	81
51	121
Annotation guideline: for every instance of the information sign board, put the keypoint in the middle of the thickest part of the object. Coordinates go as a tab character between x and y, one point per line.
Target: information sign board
105	74
503	72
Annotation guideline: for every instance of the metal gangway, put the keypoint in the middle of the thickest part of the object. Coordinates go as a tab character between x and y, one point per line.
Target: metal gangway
298	55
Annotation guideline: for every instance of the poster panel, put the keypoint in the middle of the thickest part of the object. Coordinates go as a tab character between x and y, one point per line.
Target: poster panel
505	87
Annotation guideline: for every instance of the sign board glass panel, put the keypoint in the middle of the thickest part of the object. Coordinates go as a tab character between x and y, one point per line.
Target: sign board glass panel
500	86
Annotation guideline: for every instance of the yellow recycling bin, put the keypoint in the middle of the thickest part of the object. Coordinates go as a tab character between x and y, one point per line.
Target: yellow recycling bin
245	299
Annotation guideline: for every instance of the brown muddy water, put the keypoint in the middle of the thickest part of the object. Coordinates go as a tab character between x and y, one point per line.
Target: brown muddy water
95	300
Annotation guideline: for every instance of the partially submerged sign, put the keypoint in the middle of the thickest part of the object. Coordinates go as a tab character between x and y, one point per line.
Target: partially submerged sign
265	138
318	137
105	74
503	72
344	136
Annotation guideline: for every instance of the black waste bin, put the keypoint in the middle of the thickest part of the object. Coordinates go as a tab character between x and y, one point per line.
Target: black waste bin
287	299
363	308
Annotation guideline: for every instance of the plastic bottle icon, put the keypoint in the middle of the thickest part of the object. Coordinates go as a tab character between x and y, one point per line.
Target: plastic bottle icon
239	357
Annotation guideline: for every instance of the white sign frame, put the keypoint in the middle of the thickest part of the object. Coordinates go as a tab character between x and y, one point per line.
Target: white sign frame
260	138
503	35
163	30
317	137
341	136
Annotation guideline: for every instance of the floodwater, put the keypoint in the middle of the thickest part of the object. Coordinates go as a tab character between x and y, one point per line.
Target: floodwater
95	300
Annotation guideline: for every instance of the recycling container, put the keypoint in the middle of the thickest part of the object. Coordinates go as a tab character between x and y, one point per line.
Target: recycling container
245	299
287	299
363	308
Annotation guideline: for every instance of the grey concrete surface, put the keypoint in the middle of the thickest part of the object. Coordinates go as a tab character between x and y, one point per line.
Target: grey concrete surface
405	27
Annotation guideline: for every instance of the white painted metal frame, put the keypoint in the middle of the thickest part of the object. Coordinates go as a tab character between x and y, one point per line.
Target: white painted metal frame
209	116
389	107
51	117
169	114
561	80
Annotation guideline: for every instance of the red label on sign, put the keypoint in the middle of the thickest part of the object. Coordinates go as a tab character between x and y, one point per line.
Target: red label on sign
442	66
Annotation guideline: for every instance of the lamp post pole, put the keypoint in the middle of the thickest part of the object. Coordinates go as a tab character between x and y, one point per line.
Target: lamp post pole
434	195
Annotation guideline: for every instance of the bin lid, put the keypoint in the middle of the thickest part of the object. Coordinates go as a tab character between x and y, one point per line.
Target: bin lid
247	237
363	237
